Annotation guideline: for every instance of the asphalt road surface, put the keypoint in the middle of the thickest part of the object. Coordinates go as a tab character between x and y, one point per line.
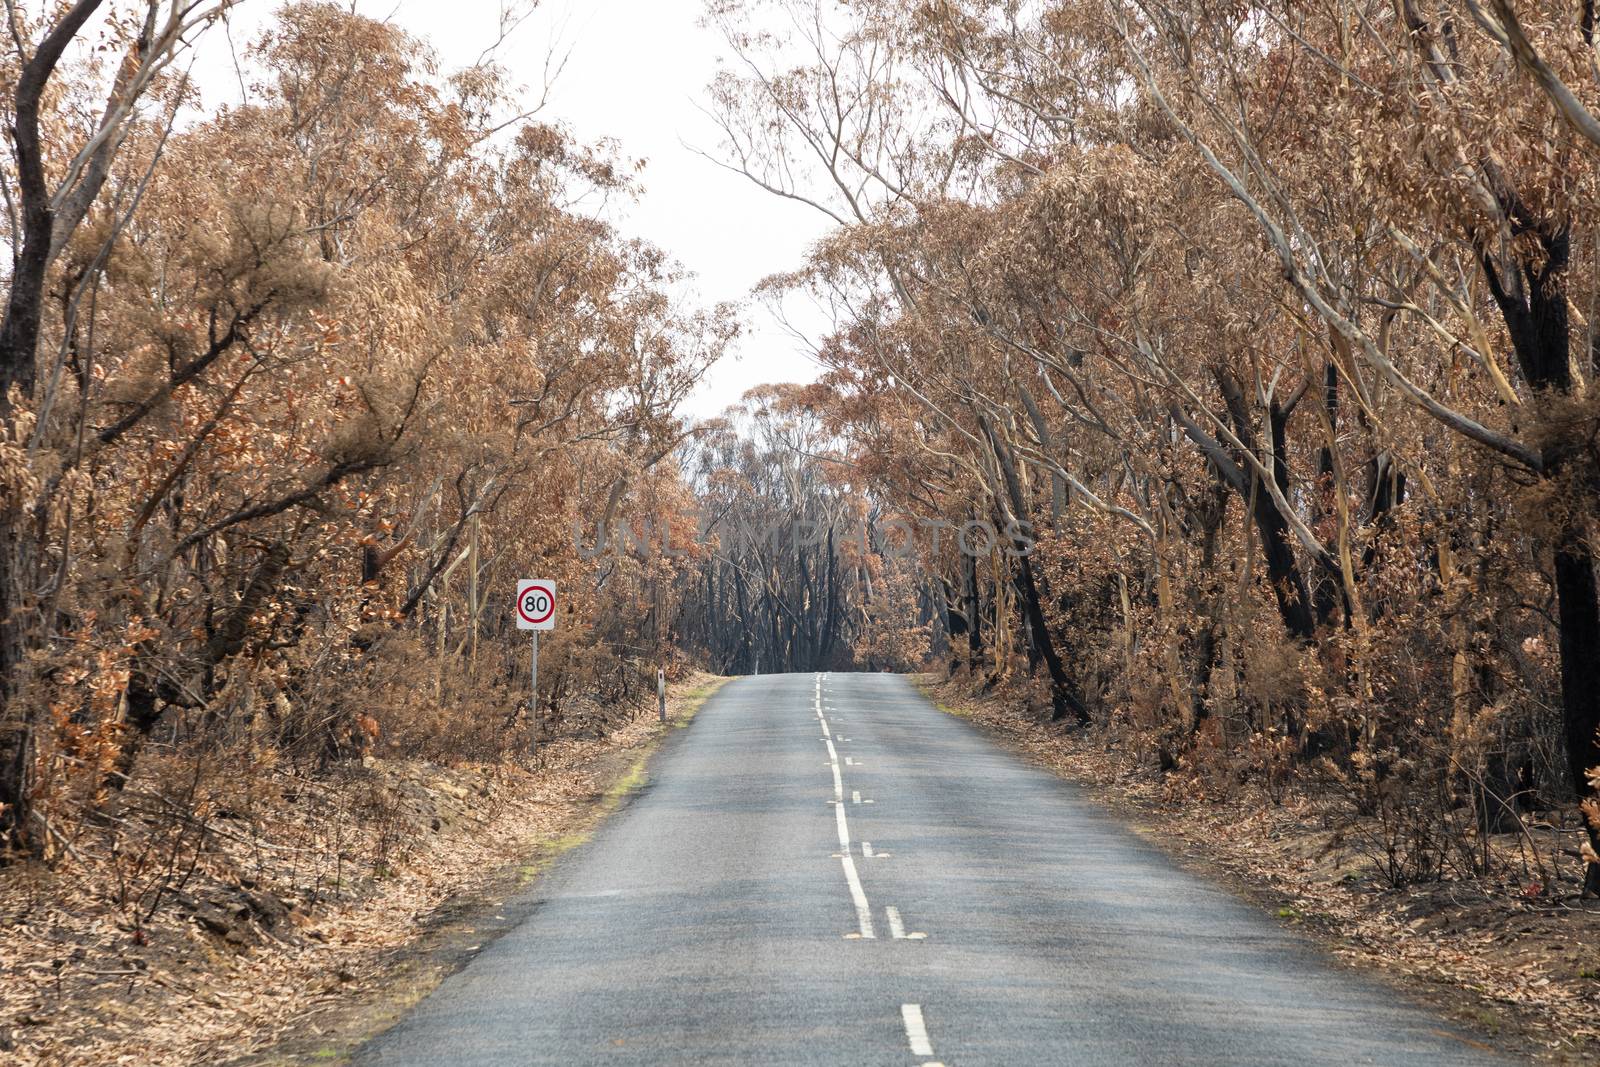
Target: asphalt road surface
824	869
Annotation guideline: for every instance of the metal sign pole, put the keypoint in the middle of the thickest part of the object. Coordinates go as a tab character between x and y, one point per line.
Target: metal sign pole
536	610
661	692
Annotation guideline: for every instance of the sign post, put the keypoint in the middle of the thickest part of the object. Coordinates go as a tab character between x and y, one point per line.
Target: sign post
536	610
661	692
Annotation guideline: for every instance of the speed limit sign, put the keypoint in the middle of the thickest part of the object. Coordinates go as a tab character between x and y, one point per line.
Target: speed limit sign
536	604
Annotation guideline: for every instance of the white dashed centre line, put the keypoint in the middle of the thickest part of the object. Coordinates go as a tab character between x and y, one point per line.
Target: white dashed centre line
916	1030
858	896
897	926
844	828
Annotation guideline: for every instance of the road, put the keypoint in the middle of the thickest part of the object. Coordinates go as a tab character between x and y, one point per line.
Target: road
824	869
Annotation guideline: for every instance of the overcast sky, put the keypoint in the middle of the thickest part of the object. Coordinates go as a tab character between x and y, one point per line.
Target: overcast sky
637	72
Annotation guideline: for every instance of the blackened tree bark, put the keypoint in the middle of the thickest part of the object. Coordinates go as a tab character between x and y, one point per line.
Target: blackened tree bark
1289	586
1210	515
1283	571
149	690
830	623
1532	298
955	619
971	607
19	333
1326	590
19	346
742	654
1063	694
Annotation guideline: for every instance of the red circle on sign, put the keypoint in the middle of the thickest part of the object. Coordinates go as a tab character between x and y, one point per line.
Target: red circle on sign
523	596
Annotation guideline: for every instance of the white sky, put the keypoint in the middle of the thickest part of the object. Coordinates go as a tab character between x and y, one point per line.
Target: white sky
637	72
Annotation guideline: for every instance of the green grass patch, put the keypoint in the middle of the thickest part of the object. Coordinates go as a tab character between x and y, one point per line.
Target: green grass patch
547	852
556	846
695	699
926	686
631	782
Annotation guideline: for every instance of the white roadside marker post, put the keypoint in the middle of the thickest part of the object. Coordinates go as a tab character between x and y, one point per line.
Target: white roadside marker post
536	610
661	692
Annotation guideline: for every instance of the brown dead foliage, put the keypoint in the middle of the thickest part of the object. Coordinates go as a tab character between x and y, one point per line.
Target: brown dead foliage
294	898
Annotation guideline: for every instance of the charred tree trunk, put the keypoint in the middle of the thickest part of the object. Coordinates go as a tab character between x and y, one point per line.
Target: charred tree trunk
830	587
971	607
742	658
1207	649
1063	695
19	348
148	692
1326	591
1533	303
1283	570
955	621
16	718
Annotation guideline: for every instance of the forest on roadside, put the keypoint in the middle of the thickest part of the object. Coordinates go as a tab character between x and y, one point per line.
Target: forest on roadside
1260	340
288	388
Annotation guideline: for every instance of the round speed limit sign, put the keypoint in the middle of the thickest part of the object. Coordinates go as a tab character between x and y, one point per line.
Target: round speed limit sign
536	604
